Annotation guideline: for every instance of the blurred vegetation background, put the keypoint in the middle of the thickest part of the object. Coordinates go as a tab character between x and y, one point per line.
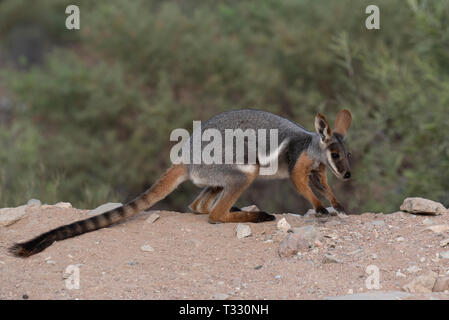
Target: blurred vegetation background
85	116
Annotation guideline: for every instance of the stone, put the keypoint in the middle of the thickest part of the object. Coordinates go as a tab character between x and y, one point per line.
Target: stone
439	228
293	243
242	231
342	215
400	239
413	269
444	255
441	284
378	223
309	233
310	213
283	225
63	205
422	284
444	243
330	258
33	202
105	207
9	216
250	208
399	274
422	206
152	218
147	248
373	295
332	223
427	221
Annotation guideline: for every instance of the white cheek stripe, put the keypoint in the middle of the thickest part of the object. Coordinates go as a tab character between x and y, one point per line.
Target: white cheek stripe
331	162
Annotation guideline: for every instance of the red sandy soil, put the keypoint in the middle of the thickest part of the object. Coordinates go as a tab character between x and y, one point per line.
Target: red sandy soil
193	259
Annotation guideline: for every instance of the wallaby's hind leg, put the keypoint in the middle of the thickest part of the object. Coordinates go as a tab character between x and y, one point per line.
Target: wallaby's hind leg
221	210
203	203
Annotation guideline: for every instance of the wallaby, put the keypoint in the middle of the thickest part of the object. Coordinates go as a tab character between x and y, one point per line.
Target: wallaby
302	156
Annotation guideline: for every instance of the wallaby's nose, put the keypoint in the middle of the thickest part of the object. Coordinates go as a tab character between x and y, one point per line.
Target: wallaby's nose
347	175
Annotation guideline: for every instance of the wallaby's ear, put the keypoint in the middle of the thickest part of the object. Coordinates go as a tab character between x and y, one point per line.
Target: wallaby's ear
323	128
343	122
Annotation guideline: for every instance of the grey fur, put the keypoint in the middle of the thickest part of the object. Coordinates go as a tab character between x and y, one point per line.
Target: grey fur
297	139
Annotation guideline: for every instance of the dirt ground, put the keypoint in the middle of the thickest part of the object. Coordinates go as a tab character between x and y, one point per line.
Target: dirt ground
193	259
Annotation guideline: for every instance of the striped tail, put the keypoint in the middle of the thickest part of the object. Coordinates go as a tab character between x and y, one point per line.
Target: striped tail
163	187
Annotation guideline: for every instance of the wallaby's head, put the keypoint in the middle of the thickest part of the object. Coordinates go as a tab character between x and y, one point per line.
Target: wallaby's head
332	143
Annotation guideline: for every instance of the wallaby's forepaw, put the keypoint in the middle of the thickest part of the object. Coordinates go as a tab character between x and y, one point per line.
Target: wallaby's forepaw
263	216
339	208
321	211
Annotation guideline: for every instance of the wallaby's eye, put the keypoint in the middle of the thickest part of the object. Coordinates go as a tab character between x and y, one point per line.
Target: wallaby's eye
335	155
349	154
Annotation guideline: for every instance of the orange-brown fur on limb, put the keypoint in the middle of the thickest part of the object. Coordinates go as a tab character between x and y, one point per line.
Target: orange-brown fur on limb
203	203
300	175
326	190
221	210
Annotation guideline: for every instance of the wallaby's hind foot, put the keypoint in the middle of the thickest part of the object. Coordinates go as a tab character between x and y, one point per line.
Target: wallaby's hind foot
244	216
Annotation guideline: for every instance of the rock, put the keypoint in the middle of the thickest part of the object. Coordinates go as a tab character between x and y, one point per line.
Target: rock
63	205
147	248
427	221
277	277
413	269
332	223
310	213
330	258
283	225
309	233
422	284
399	274
373	295
242	231
378	223
292	243
50	262
444	255
9	216
441	284
444	243
422	206
152	218
33	202
439	228
250	208
105	207
400	239
220	296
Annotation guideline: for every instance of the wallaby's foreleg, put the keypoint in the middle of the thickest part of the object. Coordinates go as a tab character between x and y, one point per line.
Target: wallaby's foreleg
203	203
221	210
300	175
319	180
